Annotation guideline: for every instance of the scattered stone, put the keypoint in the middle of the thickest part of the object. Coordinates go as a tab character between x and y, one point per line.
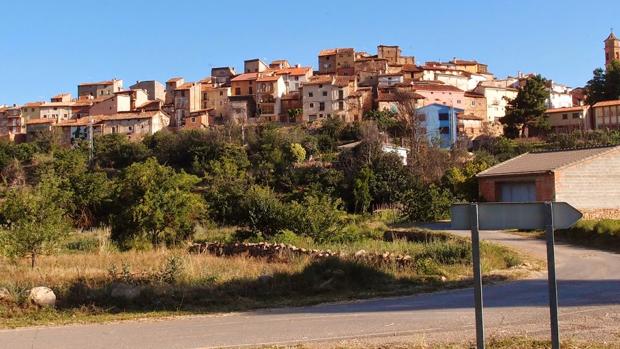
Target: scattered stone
125	292
42	296
444	279
5	295
360	253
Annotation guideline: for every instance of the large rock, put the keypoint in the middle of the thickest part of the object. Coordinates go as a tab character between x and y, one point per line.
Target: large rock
42	296
125	292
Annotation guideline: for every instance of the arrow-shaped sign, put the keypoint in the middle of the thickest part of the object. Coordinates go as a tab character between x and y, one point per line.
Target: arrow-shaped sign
514	215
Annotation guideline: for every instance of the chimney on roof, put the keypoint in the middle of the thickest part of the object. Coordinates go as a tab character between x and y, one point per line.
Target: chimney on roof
297	65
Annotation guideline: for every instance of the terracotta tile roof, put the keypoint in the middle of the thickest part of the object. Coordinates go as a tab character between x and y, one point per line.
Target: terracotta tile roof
185	86
60	95
568	109
245	77
343	81
40	121
411	68
83	121
607	103
266	78
319	80
542	162
435	87
107	82
333	51
56	104
32	104
294	71
464	62
175	79
473	94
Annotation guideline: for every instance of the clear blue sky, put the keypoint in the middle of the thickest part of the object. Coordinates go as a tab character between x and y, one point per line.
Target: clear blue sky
49	47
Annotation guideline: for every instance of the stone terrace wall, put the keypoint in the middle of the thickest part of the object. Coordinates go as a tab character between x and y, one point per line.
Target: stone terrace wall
282	253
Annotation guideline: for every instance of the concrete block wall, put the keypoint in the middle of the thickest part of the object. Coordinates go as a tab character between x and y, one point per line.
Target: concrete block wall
591	184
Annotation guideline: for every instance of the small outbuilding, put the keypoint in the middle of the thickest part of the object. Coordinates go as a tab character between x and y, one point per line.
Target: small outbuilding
588	179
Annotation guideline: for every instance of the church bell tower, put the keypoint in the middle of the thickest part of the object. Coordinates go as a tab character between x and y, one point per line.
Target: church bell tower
612	49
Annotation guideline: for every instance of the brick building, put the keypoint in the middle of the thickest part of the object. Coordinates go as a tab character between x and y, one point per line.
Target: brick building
585	178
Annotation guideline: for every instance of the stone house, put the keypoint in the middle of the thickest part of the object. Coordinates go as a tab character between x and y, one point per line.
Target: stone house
215	99
606	114
294	77
12	123
222	75
585	178
498	97
269	91
337	61
435	93
134	125
392	54
476	105
154	89
101	88
254	66
565	120
328	96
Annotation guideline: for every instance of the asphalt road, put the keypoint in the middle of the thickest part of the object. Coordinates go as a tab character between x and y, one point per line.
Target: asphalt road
589	297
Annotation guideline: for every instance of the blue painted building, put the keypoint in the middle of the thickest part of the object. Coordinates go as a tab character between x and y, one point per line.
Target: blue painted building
440	123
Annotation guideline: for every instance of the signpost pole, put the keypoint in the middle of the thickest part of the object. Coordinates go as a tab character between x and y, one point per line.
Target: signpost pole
475	249
553	286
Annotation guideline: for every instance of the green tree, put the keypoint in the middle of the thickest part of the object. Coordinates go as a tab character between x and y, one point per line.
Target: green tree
427	203
117	152
462	180
605	84
361	190
85	192
596	89
225	189
296	153
264	212
156	203
527	109
318	216
32	222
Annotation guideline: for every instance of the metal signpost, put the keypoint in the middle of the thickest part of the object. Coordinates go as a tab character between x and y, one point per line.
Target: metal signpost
508	215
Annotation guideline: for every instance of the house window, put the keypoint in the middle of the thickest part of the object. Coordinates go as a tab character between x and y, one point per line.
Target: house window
324	93
250	90
193	119
310	94
322	106
221	93
340	94
564	116
575	115
237	91
341	105
444	130
297	78
130	128
320	86
444	116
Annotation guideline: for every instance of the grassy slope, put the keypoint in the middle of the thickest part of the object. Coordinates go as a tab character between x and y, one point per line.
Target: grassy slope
174	282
